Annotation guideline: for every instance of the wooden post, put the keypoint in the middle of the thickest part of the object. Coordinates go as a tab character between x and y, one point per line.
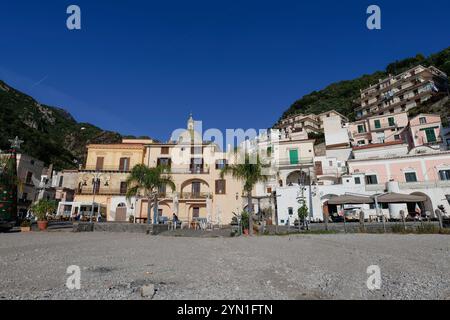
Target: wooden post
439	216
361	221
402	216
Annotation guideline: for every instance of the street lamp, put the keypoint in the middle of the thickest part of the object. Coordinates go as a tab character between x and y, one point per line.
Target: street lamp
96	180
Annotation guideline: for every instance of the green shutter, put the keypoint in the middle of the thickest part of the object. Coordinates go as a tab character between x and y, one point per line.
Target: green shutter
431	136
391	122
377	124
293	156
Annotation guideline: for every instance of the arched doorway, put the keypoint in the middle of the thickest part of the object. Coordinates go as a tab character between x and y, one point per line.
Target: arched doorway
424	206
121	212
297	177
328	209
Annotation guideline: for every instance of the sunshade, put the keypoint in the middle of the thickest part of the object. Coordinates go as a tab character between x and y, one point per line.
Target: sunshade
350	199
393	197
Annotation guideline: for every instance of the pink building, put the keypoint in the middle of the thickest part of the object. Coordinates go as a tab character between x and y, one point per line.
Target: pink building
425	129
379	129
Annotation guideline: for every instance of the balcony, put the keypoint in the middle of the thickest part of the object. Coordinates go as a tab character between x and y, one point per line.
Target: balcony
283	162
102	191
189	171
195	195
106	168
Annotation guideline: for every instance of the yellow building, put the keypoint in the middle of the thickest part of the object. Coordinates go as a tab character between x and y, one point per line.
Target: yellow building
195	168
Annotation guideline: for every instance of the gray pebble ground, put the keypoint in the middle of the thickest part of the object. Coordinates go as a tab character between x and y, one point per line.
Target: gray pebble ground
124	265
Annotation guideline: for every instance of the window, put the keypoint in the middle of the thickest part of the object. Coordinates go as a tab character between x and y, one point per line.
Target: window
361	128
371	179
391	121
29	177
444	174
293	156
164	150
99	163
61	181
269	151
196	188
357	180
160	212
396	137
361	142
24	196
410	177
221	163
162	190
164	162
123	187
290	211
124	164
377	124
422	120
269	190
330	163
195	212
431	136
220	186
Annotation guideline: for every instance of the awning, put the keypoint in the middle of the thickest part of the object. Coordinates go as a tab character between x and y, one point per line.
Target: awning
393	197
350	199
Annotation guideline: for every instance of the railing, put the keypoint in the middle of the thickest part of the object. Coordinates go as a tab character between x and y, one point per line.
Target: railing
375	187
195	195
101	191
189	171
288	162
335	171
106	168
424	184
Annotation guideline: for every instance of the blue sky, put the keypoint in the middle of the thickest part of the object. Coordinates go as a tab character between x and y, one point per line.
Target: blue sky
140	67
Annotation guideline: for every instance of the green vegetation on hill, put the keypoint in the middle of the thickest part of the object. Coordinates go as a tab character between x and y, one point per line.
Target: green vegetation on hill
340	95
50	134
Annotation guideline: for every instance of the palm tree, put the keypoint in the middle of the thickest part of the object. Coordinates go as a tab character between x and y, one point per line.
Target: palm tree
250	174
148	181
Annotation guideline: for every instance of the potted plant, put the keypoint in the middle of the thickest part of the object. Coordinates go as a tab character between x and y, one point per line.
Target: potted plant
40	210
245	222
131	219
25	226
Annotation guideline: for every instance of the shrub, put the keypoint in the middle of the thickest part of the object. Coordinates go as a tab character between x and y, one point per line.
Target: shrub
131	219
25	224
427	228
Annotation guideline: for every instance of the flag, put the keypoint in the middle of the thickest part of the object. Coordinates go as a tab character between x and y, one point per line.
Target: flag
417	209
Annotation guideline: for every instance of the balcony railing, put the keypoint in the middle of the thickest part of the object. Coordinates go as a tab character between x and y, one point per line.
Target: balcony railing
189	171
195	195
106	168
293	162
101	191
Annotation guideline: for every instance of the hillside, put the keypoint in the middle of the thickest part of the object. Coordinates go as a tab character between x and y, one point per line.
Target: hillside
50	134
339	95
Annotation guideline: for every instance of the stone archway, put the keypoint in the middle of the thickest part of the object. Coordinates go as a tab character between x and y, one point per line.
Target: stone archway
424	206
297	177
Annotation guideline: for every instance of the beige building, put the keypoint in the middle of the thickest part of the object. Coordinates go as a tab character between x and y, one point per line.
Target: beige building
401	92
195	168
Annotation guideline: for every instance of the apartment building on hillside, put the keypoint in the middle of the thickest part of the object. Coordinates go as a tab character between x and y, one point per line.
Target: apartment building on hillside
310	123
401	92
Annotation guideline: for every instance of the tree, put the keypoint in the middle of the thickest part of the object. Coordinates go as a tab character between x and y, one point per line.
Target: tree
303	210
250	172
148	182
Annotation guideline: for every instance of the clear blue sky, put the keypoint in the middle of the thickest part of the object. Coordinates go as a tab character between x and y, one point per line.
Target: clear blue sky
140	67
